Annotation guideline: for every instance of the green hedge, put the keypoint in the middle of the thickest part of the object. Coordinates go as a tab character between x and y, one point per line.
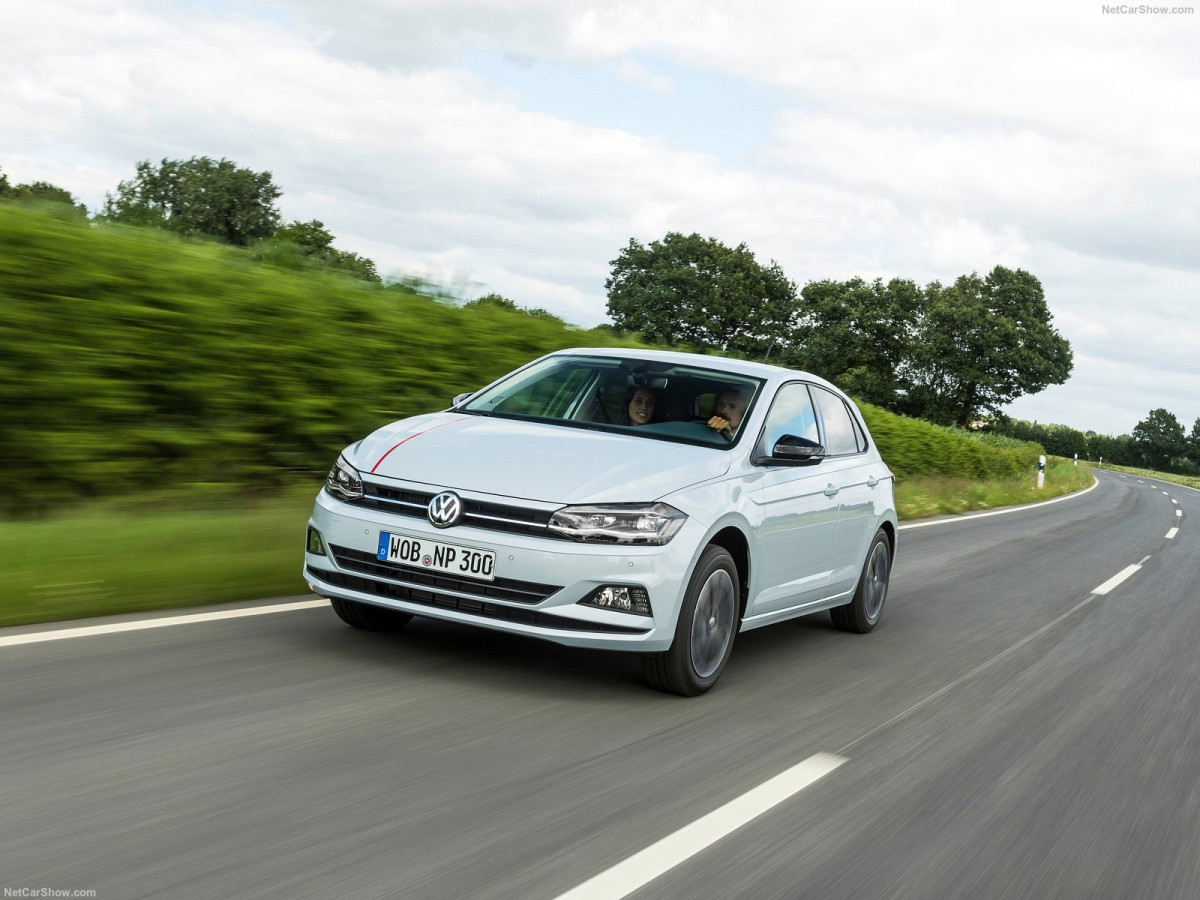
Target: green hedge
132	360
915	447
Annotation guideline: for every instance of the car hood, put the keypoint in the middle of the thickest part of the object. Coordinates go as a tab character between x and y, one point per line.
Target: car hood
534	461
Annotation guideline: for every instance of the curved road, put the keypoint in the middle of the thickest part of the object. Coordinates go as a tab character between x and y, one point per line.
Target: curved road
1022	724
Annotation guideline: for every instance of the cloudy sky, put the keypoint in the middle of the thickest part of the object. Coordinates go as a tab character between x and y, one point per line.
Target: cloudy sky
517	145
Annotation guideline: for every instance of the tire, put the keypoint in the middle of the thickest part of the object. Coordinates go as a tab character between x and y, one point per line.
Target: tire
708	622
368	617
862	613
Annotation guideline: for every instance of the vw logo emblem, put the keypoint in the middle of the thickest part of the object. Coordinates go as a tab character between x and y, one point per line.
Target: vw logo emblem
445	509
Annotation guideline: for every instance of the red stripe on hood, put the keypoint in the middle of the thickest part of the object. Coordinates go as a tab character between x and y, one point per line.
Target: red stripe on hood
409	438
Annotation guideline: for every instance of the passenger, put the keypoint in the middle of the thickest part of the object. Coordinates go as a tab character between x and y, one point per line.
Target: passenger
728	409
638	406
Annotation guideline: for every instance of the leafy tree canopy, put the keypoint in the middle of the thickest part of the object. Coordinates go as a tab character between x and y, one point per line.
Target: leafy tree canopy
316	243
981	343
1159	439
499	301
687	289
199	196
857	334
38	191
493	299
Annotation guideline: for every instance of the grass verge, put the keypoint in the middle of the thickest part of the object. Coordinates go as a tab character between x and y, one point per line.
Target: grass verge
163	552
134	557
1186	480
934	495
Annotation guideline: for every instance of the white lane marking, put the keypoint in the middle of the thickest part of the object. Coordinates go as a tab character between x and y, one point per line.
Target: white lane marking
1173	500
957	681
1179	512
1165	494
1000	512
1117	579
38	637
995	659
1172	533
644	866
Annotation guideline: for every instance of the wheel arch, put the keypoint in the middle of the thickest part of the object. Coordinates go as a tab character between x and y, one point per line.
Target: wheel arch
733	540
889	529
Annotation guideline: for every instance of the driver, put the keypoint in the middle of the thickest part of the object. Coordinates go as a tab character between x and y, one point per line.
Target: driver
728	409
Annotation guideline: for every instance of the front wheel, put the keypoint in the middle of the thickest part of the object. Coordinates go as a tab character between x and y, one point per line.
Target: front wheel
368	617
704	633
862	613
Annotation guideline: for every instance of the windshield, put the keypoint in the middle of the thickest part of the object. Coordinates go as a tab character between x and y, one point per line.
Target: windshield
657	400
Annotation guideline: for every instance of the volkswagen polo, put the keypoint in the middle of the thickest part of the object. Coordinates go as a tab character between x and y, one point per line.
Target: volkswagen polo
539	505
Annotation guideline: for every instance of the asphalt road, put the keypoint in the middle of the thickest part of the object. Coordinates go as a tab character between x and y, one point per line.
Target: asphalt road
1006	731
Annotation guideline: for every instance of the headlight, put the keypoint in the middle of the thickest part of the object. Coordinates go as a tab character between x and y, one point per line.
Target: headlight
343	481
623	523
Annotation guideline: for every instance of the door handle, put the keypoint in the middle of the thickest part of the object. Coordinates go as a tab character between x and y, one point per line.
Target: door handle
872	481
831	490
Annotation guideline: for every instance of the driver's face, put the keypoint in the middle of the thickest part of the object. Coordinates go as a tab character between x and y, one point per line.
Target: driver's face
731	407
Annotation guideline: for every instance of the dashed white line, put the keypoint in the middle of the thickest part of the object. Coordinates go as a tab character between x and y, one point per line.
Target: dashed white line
1171	534
61	634
644	866
1117	579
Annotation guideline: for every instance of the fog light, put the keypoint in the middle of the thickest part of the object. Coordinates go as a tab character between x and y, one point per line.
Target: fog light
622	598
315	544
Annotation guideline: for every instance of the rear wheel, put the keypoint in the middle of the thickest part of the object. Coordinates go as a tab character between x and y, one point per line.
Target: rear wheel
862	613
368	617
704	633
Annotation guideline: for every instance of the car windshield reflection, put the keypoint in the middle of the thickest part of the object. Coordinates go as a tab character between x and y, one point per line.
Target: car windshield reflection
636	396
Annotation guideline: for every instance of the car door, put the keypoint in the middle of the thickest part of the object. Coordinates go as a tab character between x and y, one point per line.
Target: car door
849	474
797	533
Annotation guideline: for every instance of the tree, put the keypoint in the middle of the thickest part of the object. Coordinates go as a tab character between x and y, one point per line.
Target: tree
493	300
316	243
200	196
695	290
1194	441
857	334
981	343
1159	439
38	191
499	301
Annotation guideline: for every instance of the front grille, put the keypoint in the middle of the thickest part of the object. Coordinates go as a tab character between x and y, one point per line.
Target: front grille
499	589
490	516
464	604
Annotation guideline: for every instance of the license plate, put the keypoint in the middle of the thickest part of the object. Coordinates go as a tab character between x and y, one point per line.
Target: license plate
425	554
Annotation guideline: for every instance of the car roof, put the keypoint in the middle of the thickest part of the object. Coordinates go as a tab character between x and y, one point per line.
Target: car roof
702	360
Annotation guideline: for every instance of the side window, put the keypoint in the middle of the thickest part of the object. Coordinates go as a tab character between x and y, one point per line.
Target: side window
842	436
791	413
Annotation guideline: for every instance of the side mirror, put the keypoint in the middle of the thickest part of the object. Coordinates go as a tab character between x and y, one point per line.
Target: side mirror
791	450
460	400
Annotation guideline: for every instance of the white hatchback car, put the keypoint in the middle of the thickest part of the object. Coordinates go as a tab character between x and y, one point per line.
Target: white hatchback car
552	504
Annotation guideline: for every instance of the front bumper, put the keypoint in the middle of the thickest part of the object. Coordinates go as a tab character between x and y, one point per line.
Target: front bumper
538	584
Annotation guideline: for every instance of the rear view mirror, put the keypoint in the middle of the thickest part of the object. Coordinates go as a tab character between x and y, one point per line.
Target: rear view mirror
791	450
460	400
655	382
